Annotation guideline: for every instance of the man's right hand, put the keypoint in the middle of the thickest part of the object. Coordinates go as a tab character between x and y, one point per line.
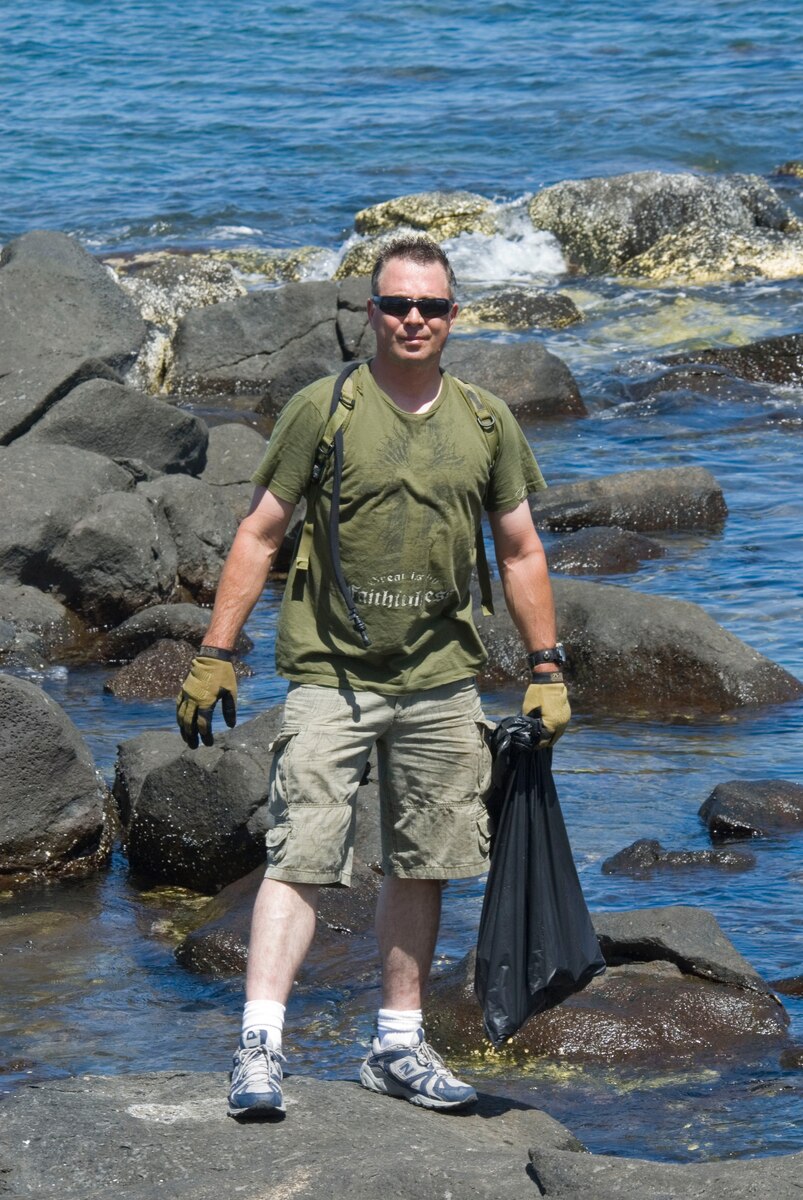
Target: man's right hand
209	680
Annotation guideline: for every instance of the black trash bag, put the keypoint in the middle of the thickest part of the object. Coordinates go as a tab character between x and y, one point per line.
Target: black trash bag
536	944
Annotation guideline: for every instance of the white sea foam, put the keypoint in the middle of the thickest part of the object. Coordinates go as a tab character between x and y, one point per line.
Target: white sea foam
229	233
516	253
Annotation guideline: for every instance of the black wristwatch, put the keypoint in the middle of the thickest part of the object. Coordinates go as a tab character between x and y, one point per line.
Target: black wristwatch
556	655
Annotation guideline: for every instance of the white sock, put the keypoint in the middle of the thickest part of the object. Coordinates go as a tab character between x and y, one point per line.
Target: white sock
267	1015
397	1026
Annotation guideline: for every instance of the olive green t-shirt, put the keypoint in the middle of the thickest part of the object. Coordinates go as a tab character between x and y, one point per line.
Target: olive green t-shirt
413	491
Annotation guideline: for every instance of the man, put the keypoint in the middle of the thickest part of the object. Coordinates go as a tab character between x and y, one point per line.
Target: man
419	465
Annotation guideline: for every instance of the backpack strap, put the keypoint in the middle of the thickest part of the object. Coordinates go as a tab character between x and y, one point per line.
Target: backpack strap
331	445
487	423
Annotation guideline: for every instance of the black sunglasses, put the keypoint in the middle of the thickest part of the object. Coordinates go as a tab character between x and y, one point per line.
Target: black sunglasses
399	306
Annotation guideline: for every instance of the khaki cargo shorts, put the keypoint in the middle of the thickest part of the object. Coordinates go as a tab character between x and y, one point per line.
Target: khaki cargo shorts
434	772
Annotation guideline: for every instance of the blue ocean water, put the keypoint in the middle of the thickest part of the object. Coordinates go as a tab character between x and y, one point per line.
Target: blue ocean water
140	123
137	124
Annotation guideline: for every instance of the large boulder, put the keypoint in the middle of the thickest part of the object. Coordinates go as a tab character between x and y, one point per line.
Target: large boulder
709	254
676	992
30	611
532	381
55	816
603	223
198	819
631	652
44	490
165	286
441	214
660	498
63	319
121	422
116	559
266	344
232	455
353	330
522	308
753	808
201	525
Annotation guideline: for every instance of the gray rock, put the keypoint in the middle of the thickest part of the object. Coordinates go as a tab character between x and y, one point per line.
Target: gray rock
54	810
600	550
158	672
199	819
118	558
568	1176
753	808
168	1134
266	344
602	223
233	454
355	334
165	286
694	379
237	497
771	360
632	652
661	498
201	525
691	938
121	422
34	612
137	757
532	381
181	622
63	320
44	490
641	859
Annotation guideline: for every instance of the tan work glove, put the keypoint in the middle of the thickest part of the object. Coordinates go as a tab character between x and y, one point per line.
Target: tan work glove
553	701
211	678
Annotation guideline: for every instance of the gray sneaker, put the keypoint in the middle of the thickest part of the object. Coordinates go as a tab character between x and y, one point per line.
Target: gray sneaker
415	1073
256	1078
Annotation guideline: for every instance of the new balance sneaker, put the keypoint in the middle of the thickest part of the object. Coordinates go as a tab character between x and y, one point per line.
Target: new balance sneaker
256	1078
415	1073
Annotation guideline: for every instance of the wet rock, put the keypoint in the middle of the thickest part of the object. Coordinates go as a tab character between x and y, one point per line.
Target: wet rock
37	613
266	344
710	254
63	319
630	652
181	622
137	757
532	381
360	256
201	525
55	815
676	992
608	1177
121	422
199	819
600	550
233	454
753	808
605	222
649	1014
771	360
441	214
120	557
166	286
662	498
355	334
791	1059
699	379
44	490
158	672
523	308
788	987
645	856
172	1128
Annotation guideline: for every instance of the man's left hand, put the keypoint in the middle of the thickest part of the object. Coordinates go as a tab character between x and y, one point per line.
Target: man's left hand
553	702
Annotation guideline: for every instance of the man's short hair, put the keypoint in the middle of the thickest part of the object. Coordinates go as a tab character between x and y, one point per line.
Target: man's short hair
419	250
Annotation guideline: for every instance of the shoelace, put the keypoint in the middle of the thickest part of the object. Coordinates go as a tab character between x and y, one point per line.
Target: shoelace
251	1064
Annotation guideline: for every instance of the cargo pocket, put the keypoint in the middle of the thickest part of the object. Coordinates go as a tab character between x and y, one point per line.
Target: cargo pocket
276	843
484	832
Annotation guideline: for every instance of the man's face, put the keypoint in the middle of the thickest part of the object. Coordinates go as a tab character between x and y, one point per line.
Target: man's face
411	339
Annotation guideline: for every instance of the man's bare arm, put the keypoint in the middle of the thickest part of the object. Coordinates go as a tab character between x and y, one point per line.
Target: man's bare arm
525	579
246	569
